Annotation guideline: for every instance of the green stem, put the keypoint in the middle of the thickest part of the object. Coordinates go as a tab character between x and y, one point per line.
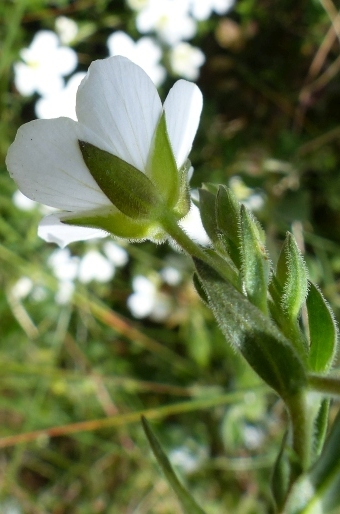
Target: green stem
327	385
302	427
170	225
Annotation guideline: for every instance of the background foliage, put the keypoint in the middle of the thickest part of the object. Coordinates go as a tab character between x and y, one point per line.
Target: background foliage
270	129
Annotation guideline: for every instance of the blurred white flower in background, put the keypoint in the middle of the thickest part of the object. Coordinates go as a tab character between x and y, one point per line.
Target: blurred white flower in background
64	265
171	276
116	254
184	459
66	29
186	60
145	52
61	102
44	64
202	9
147	301
170	20
254	201
137	5
94	266
22	202
22	288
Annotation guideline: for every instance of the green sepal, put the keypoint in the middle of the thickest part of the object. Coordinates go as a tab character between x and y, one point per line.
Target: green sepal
130	190
182	206
280	475
211	187
323	333
187	502
162	168
208	217
118	224
292	277
228	214
318	491
255	261
246	328
228	222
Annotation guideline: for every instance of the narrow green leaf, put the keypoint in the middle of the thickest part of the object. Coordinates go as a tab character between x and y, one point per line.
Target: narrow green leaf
280	475
292	277
208	217
200	290
187	502
322	331
130	190
267	351
318	491
162	167
255	261
321	425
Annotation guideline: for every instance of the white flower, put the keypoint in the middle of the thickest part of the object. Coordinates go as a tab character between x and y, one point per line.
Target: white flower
44	64
94	266
186	60
64	265
65	292
171	276
146	300
61	102
137	5
145	52
22	288
202	9
115	253
66	28
118	109
168	18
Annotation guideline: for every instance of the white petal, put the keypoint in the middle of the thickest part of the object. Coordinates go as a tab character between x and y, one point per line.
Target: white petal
46	163
52	230
119	102
182	107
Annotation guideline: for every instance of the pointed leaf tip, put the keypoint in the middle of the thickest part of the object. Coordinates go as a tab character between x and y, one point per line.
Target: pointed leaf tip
187	502
292	277
323	332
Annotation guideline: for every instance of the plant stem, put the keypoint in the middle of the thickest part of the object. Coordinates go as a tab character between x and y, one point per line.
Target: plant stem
302	427
327	385
171	226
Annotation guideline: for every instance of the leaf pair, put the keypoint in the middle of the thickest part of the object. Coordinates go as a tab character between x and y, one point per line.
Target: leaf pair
238	236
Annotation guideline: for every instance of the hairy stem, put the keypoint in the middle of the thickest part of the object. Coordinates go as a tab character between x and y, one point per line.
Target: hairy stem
171	226
327	385
302	427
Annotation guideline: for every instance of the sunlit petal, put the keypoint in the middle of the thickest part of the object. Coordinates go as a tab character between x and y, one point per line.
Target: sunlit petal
52	230
119	102
182	107
46	163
